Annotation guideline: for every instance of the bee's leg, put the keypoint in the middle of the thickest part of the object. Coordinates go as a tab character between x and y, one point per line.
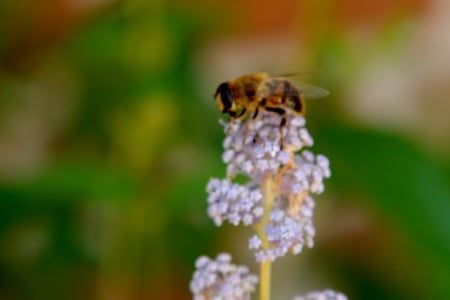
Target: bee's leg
241	113
250	124
234	116
231	120
262	104
255	114
282	124
282	113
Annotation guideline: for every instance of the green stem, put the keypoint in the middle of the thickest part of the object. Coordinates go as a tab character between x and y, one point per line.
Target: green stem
265	268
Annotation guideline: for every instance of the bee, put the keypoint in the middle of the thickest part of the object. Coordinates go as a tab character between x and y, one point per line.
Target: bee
248	94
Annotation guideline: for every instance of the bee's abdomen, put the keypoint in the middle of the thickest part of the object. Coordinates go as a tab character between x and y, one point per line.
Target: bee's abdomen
289	95
295	102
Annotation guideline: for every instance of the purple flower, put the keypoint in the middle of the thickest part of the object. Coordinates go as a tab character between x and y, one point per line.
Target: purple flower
253	148
258	149
233	202
220	279
322	295
286	233
276	200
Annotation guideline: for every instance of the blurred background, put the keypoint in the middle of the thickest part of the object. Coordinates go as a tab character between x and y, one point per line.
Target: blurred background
109	134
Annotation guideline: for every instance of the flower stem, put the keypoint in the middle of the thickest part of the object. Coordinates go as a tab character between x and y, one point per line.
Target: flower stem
264	287
265	268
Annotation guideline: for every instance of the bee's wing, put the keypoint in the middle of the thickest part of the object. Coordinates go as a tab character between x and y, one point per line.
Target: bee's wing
310	91
299	74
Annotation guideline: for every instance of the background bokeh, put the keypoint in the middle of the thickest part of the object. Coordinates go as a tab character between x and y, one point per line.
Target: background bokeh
109	133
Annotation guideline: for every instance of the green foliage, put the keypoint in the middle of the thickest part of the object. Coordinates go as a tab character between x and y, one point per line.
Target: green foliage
406	183
103	191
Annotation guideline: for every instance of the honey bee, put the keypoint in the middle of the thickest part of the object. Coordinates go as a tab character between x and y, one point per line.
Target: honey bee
248	94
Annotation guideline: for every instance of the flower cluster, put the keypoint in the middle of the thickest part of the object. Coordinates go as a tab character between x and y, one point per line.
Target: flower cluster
233	202
220	280
276	200
258	149
322	295
286	233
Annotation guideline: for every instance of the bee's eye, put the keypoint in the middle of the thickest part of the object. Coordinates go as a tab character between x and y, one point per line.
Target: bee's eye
225	96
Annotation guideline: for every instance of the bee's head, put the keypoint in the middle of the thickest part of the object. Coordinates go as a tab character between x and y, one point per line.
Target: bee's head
224	98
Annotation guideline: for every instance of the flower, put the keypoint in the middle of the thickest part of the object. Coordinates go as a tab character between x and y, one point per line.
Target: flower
233	202
219	279
259	149
322	295
286	233
276	200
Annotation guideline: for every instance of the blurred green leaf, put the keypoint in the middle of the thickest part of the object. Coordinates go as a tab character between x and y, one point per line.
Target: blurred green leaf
72	182
406	182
